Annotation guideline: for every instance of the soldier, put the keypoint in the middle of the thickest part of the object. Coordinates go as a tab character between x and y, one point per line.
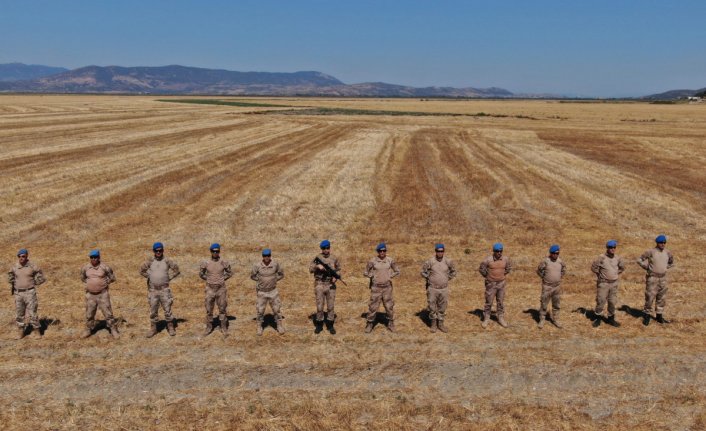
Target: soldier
96	277
325	287
551	270
607	268
381	270
24	276
215	272
656	262
159	271
267	273
494	269
437	272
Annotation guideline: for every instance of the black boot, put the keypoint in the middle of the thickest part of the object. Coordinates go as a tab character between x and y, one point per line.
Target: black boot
660	318
329	326
319	326
612	322
597	322
646	319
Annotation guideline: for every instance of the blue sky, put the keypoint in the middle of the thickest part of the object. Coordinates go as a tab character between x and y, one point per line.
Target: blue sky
589	48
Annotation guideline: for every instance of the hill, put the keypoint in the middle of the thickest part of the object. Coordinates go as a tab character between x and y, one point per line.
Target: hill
20	71
673	94
192	80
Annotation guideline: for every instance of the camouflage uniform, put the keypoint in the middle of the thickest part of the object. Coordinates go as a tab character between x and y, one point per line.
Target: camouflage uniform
325	287
159	272
24	279
657	263
215	272
607	270
437	274
381	272
494	272
97	279
551	271
267	276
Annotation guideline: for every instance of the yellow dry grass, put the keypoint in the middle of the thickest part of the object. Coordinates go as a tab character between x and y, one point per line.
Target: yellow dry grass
117	173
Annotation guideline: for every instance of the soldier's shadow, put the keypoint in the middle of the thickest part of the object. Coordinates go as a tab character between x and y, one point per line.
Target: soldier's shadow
424	316
217	323
479	314
534	313
162	324
633	312
46	322
380	318
269	320
312	317
587	312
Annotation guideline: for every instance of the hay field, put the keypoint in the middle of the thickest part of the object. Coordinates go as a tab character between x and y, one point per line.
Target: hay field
118	173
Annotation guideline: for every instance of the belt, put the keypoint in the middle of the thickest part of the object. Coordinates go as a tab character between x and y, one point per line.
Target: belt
24	290
159	286
97	293
266	291
603	280
388	284
554	284
654	274
438	287
215	286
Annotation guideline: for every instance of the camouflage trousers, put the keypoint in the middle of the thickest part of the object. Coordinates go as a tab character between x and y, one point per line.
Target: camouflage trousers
381	294
438	300
163	297
325	293
216	295
95	301
655	291
272	298
26	303
606	292
494	290
550	293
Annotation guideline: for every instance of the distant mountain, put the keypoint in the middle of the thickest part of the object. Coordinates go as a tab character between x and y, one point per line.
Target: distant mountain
19	71
193	80
673	94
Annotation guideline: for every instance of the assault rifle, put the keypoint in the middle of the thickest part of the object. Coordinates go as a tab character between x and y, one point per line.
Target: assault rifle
329	271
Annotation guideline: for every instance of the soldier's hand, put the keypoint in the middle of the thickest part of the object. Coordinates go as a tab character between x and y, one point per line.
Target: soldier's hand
320	267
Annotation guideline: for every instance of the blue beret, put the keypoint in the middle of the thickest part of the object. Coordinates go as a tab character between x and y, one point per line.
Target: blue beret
661	238
325	244
498	246
611	243
381	246
215	246
157	245
22	251
439	246
554	248
267	252
94	253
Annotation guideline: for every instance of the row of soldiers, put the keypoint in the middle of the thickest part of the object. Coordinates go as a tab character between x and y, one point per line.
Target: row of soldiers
159	270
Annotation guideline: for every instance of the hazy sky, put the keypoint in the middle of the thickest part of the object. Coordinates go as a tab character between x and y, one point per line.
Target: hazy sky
591	48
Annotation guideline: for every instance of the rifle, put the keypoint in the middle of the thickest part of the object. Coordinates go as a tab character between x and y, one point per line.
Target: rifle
329	271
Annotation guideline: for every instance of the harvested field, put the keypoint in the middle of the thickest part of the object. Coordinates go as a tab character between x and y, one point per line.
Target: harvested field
118	173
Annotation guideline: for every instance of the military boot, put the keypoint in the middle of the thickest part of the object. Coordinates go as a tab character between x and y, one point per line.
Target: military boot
88	330
318	326
485	321
433	327
114	331
209	327
501	321
153	330
369	327
279	324
660	318
555	320
597	321
391	326
170	328
224	326
442	328
20	332
329	326
612	322
540	324
646	319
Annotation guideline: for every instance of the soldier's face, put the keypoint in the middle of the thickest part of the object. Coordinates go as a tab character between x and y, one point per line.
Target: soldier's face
498	254
610	251
159	253
382	253
439	254
326	251
95	261
23	258
266	259
661	245
215	254
554	256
